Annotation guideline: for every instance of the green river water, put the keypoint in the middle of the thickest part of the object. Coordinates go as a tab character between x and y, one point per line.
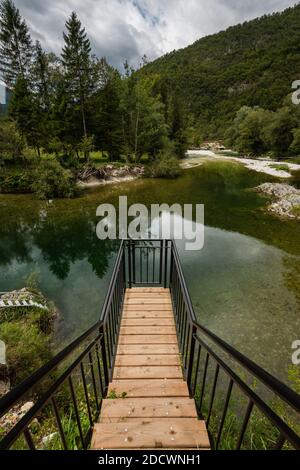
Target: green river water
244	284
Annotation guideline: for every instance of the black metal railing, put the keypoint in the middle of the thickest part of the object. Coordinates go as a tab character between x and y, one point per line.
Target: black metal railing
68	390
214	370
75	381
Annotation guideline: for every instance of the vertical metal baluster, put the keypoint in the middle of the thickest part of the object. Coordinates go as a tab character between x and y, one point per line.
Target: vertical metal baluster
104	357
147	265
171	264
245	424
28	438
129	264
160	261
191	358
280	442
59	425
224	413
197	370
186	344
76	412
203	381
213	394
86	394
133	262
99	370
93	380
166	264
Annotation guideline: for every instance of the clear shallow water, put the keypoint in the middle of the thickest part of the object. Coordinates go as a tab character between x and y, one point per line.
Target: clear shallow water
244	283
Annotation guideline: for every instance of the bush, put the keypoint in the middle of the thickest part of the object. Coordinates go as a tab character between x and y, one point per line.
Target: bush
53	181
164	167
27	348
16	180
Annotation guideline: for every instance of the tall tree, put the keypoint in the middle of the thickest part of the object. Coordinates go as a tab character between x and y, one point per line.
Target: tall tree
15	44
41	75
76	58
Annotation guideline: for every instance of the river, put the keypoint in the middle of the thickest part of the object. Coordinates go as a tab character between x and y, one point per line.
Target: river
244	284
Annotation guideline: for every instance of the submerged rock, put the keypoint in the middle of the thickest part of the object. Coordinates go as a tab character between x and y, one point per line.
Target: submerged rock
287	199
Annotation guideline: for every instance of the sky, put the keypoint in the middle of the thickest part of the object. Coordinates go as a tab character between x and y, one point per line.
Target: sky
128	29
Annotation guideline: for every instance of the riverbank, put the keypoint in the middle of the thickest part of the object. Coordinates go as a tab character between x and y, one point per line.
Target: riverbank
286	199
269	167
91	177
26	326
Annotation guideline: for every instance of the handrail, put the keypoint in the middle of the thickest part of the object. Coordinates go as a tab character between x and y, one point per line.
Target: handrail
105	336
157	263
20	390
285	392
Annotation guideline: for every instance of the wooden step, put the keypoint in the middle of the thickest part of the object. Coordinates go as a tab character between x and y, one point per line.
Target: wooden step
147	330
153	300
137	349
147	322
147	408
147	339
131	360
168	314
146	295
147	289
149	388
148	372
171	433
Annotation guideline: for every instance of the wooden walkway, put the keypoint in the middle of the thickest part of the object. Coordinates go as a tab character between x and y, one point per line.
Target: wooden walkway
148	404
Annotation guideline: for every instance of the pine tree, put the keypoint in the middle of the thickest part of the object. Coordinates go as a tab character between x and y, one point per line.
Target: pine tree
15	44
41	77
76	58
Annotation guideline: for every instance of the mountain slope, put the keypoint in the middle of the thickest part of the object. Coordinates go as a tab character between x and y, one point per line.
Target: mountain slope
250	64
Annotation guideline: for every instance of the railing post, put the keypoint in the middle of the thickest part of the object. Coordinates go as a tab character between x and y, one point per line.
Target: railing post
166	263
129	265
191	359
104	358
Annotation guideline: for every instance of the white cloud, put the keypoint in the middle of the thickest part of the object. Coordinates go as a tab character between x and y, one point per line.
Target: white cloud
121	29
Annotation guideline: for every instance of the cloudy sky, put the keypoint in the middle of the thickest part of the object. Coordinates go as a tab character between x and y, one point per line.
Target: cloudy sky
121	29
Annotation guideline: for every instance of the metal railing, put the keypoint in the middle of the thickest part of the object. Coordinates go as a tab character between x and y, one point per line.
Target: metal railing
73	383
210	362
211	368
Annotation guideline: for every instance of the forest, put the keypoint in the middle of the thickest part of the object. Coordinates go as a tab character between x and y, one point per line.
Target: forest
74	110
250	65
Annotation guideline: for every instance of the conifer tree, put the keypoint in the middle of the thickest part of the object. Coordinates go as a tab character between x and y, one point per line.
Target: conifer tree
15	44
76	58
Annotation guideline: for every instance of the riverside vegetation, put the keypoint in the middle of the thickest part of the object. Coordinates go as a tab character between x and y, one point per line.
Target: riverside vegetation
74	111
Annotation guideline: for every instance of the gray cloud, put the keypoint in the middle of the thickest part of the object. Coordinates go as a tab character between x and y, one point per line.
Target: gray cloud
127	29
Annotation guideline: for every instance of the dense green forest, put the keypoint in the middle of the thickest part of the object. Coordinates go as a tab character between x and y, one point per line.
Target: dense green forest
67	109
252	64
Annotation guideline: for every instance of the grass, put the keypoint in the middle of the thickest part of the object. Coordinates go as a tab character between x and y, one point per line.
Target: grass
281	167
296	211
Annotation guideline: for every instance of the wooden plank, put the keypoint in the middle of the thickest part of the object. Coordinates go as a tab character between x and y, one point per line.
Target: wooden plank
148	407
147	339
147	360
149	388
147	322
148	314
147	372
147	330
150	301
142	349
148	308
148	289
144	434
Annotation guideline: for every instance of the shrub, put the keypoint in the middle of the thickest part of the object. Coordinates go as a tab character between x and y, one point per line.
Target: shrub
164	167
52	180
16	180
27	348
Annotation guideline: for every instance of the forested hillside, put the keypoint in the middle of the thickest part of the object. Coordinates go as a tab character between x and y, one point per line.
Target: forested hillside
250	64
